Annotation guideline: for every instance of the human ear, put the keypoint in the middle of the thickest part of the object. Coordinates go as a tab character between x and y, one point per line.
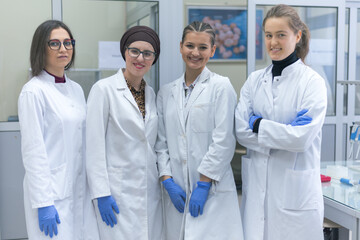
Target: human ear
298	36
213	49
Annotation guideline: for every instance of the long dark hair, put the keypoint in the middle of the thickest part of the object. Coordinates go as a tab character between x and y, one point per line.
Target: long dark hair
39	45
295	23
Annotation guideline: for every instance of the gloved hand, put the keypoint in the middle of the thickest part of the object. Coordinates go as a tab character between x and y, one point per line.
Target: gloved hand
198	198
48	220
252	120
177	195
107	206
301	119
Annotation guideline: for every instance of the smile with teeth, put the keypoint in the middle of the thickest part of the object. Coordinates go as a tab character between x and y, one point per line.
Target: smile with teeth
275	49
195	59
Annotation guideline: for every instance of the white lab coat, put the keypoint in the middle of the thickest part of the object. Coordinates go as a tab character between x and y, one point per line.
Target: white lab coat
52	124
121	160
199	139
282	196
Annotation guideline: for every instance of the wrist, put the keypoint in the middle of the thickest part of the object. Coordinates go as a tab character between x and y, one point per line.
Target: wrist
204	185
165	177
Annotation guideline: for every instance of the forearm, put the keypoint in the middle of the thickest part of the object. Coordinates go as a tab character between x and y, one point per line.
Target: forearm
204	178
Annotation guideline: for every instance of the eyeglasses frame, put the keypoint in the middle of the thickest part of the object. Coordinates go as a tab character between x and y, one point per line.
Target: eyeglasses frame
142	52
62	43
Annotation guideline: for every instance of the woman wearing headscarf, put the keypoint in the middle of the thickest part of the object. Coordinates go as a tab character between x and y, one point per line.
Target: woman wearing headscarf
122	128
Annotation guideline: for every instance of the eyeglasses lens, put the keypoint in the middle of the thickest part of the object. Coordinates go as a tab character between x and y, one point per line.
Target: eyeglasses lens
56	44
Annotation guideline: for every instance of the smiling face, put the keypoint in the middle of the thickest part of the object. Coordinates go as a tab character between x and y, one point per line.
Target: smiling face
280	39
56	60
137	67
196	50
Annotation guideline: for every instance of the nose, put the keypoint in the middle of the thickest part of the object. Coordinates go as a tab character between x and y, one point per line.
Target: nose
62	47
141	57
195	52
273	41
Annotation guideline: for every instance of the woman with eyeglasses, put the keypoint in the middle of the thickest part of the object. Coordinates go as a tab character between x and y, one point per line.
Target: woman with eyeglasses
52	112
121	132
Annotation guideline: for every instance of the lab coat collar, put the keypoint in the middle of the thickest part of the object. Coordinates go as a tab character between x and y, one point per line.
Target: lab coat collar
177	91
122	86
47	77
199	87
178	94
287	70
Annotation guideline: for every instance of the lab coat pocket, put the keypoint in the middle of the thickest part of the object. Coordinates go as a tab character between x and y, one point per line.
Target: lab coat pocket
60	182
300	190
202	117
115	180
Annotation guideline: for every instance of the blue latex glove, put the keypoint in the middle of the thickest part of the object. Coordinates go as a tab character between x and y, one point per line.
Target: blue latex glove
107	206
301	119
48	220
177	195
198	198
252	120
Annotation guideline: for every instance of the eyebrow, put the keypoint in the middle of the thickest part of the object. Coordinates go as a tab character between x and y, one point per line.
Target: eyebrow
281	31
201	44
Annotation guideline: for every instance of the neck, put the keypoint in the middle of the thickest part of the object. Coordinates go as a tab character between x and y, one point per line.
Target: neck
55	72
134	81
278	66
191	75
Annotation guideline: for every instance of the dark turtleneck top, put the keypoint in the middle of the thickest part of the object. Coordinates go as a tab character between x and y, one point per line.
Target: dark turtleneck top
278	66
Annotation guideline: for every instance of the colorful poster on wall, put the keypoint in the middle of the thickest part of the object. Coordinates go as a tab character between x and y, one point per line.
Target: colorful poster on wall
230	24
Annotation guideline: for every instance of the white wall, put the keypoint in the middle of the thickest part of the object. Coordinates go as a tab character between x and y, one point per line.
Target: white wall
18	21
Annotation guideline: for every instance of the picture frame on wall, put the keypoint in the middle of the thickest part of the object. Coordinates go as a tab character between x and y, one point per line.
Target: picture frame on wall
230	24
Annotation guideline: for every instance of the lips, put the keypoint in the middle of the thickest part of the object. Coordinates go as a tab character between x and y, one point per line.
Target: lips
275	49
194	59
139	66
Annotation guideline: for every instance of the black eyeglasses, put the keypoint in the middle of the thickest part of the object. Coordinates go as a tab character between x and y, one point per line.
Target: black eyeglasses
55	44
147	55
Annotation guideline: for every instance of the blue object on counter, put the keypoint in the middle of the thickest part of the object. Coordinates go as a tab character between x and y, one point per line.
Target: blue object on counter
349	182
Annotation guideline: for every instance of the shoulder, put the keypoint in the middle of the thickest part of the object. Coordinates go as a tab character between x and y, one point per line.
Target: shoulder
220	81
35	85
258	74
74	84
309	74
105	83
167	87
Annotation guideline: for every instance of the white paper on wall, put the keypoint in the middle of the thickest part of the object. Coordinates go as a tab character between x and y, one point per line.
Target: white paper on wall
110	56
